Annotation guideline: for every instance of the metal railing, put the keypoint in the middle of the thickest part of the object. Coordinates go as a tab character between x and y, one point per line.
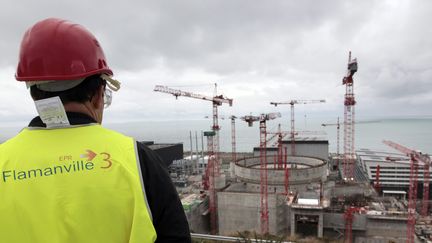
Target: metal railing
233	239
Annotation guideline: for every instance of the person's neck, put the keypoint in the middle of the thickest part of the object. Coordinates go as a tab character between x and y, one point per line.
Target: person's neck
80	108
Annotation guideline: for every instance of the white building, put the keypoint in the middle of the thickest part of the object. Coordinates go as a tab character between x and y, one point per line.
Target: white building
394	167
316	146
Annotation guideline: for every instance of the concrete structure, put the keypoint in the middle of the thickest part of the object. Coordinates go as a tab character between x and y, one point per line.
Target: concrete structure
313	207
238	210
239	204
316	207
302	172
168	152
310	212
196	210
316	147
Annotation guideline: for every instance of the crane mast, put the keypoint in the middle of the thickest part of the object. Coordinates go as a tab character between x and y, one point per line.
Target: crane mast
262	119
233	144
416	157
292	103
213	167
233	138
349	119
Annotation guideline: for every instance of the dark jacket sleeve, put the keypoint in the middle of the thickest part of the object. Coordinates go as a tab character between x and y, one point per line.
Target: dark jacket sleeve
168	215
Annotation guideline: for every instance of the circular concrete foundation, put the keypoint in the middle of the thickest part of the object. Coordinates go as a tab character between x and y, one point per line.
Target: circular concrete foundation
302	170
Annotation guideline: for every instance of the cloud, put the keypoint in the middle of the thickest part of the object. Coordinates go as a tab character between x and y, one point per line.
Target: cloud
257	51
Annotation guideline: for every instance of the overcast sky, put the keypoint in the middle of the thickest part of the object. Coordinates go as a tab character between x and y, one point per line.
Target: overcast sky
257	52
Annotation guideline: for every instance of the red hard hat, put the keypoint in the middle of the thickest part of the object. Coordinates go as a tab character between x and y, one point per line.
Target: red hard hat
56	49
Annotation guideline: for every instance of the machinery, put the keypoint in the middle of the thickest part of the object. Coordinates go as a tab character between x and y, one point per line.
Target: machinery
349	120
213	167
262	119
233	138
417	158
216	100
338	139
292	103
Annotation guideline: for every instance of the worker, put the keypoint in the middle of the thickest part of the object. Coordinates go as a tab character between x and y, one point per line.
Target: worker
65	178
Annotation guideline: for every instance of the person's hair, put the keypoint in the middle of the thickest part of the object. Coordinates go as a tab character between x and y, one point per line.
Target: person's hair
80	93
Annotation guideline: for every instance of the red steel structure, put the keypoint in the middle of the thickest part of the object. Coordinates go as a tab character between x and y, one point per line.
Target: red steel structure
349	217
416	158
292	103
349	115
280	161
263	118
217	100
211	171
426	183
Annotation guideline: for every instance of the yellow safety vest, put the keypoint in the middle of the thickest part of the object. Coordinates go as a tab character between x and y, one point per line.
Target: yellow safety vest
72	185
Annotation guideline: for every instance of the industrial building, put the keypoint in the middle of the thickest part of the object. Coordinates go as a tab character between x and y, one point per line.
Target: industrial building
243	198
394	172
292	188
315	205
168	152
318	203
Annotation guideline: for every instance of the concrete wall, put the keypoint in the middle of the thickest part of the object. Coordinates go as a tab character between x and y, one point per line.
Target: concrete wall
379	226
199	223
317	150
240	211
352	189
371	228
336	220
314	170
281	188
378	239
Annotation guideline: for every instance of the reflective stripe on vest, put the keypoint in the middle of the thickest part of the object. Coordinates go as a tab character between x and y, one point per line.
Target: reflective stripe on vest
77	184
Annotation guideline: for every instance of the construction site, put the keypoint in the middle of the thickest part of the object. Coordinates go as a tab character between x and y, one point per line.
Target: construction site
290	186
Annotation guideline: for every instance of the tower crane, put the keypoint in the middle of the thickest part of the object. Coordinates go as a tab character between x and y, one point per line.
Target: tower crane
337	124
217	100
210	174
338	138
233	144
278	134
292	103
233	138
262	119
349	119
417	158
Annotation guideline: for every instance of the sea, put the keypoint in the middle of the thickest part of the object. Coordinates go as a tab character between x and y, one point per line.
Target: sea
414	133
